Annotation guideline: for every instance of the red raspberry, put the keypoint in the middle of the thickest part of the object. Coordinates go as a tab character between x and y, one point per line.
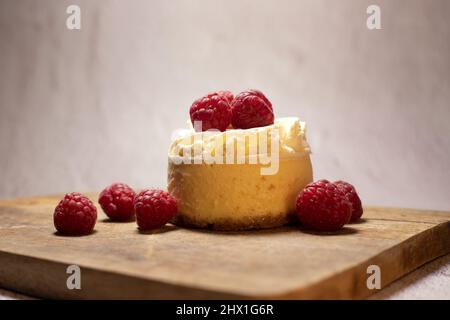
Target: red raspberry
227	95
352	197
251	109
323	206
75	215
154	208
213	110
117	202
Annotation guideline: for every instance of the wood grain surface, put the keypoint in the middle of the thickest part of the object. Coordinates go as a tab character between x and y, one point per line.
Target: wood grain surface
118	261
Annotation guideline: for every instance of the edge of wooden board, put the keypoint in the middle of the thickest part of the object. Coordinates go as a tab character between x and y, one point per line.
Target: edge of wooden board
97	284
418	250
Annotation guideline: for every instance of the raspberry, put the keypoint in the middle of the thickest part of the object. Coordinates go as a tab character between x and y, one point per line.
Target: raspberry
154	208
227	95
323	206
213	110
117	202
75	215
352	197
251	109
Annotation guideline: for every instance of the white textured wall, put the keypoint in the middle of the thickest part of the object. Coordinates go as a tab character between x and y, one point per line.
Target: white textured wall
80	109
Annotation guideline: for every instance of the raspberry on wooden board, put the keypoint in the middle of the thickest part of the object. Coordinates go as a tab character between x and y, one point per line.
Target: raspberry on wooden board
323	206
116	201
75	215
352	197
154	208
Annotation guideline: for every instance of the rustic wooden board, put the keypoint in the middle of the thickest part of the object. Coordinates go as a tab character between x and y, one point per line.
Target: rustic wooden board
119	262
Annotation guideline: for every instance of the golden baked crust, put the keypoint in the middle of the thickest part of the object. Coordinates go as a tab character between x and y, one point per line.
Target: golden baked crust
240	224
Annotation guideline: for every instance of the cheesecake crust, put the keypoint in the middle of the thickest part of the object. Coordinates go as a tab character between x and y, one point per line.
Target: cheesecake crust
239	224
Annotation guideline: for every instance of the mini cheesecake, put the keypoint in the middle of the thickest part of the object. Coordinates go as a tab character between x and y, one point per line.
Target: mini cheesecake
239	179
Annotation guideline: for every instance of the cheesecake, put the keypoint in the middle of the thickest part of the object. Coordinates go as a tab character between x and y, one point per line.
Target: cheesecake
239	179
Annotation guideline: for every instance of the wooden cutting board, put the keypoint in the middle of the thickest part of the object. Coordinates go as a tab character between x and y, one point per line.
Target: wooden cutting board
119	262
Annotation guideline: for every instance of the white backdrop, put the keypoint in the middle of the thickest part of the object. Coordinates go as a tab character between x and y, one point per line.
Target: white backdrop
81	109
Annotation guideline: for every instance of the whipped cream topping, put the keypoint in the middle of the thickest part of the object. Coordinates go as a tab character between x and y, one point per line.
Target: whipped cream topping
287	136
